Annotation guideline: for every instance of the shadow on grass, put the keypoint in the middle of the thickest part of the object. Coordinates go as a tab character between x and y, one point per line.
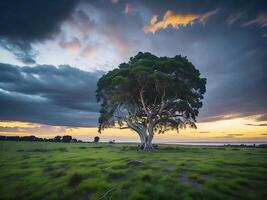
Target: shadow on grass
75	180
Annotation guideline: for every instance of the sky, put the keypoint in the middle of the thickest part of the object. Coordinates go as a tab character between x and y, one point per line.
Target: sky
53	52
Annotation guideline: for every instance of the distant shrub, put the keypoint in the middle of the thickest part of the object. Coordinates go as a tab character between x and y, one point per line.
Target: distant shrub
96	139
57	139
32	138
66	138
2	137
262	146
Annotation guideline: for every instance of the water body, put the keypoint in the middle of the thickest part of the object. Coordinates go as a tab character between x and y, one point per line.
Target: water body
218	143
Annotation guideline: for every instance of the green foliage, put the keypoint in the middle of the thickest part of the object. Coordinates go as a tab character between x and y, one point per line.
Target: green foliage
172	82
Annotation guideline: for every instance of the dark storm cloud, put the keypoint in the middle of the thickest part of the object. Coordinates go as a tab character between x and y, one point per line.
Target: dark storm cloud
49	95
22	50
229	49
232	57
25	22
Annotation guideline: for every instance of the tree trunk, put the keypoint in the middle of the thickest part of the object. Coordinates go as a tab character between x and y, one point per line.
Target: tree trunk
145	136
145	140
142	139
150	134
141	131
148	145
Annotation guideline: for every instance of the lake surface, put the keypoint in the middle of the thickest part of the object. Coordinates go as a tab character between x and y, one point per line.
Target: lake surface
217	143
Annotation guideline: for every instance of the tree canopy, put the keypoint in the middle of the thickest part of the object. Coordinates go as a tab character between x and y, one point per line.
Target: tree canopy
151	94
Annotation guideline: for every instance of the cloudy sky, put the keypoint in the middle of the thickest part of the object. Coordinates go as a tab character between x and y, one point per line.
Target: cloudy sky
53	52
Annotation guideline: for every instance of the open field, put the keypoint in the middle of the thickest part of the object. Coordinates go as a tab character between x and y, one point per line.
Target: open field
39	170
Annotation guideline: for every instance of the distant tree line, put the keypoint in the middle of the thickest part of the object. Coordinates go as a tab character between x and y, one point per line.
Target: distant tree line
32	138
247	145
65	138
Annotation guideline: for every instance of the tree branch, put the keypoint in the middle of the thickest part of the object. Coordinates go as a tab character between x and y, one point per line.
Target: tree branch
165	104
162	102
142	101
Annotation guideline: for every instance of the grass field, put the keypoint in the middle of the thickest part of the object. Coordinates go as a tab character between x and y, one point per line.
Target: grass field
38	170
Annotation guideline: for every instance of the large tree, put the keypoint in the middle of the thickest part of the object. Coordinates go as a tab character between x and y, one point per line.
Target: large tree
150	94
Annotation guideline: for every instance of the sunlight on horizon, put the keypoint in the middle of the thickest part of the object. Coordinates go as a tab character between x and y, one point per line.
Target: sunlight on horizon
237	129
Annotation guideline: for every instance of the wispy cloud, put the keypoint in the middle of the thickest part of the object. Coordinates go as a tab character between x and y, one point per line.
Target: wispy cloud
260	20
233	135
114	1
89	51
233	18
265	124
176	20
33	130
204	132
115	39
73	45
225	116
128	9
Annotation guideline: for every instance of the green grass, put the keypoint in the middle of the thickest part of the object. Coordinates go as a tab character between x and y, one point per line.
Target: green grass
38	170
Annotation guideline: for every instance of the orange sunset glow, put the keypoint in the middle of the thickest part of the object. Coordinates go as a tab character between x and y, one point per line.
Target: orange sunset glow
175	20
245	129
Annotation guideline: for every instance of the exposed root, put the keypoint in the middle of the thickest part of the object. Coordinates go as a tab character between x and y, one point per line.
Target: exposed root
145	147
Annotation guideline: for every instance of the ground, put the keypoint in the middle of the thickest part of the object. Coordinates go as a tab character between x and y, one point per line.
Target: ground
42	170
